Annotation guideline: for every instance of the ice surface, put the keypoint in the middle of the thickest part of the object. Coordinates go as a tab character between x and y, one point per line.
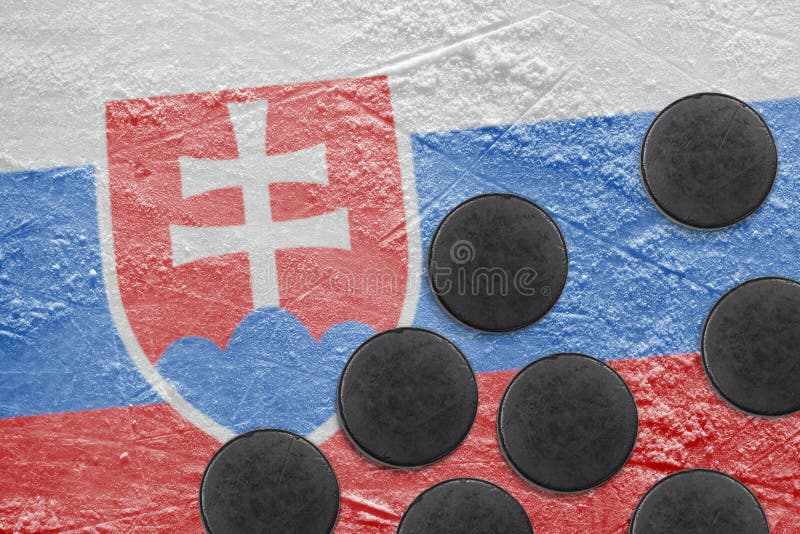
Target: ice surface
129	462
452	64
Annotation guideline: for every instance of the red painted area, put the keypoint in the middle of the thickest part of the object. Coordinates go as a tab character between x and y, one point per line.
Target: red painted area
683	424
132	469
209	297
139	468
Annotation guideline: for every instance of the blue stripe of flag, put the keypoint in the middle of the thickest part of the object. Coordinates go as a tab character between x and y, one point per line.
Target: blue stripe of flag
59	348
638	284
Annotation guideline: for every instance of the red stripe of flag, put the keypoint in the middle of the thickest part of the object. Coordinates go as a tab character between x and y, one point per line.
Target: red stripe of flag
113	470
139	468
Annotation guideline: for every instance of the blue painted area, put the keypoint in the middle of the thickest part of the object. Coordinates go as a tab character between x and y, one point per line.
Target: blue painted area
638	284
272	374
59	349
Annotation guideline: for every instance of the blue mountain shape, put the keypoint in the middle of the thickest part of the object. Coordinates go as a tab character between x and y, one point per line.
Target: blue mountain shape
272	374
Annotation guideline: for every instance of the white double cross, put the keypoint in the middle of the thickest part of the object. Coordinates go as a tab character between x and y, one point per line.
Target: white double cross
259	236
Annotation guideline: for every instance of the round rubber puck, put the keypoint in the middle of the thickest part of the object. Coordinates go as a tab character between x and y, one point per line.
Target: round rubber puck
407	397
465	506
497	262
708	160
751	346
567	422
699	500
269	481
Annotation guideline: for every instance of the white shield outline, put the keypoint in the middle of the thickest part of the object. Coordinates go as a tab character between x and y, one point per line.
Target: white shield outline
134	349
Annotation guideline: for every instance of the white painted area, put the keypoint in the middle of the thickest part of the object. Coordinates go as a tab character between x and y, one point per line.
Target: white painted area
451	63
414	280
324	431
259	236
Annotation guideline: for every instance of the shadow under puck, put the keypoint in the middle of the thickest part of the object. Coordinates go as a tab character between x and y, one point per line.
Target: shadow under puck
269	481
407	397
567	422
699	500
497	262
751	346
708	161
465	506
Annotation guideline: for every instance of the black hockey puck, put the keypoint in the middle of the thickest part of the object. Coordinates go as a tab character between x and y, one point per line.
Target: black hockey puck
751	346
497	262
699	500
407	397
708	160
465	506
269	481
567	422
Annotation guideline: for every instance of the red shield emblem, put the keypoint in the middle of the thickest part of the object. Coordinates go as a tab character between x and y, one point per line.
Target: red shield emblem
286	196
